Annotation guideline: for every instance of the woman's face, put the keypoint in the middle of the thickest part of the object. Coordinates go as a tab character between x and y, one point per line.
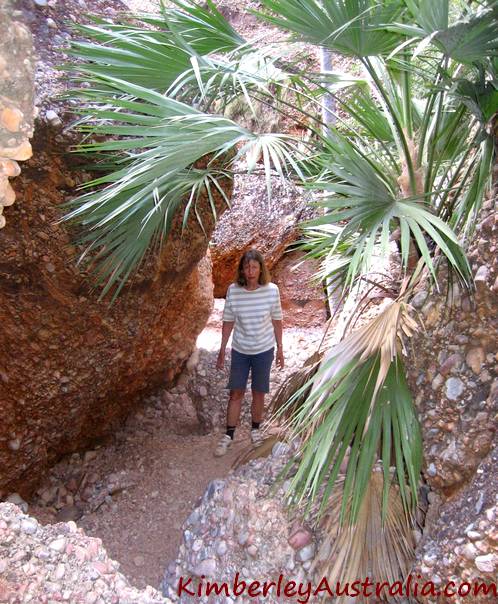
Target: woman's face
251	270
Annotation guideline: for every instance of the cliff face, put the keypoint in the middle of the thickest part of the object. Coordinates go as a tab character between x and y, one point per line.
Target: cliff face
70	366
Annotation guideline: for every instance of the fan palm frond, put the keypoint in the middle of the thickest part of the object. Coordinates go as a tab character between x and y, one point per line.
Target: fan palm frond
357	406
160	141
350	28
370	548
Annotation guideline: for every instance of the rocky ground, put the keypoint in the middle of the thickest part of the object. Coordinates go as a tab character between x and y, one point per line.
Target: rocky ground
135	490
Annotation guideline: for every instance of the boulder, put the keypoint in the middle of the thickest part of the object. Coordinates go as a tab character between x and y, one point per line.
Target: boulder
303	299
256	222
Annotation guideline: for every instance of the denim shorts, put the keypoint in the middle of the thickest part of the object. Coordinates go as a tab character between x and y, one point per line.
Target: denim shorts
259	364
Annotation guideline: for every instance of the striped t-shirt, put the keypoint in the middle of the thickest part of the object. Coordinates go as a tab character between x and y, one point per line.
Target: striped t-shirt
252	312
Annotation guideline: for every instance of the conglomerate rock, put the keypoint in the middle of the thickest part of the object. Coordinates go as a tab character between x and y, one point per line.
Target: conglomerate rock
59	563
71	366
454	374
303	299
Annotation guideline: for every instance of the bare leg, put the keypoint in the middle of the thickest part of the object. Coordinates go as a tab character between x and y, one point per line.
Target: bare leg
258	406
234	405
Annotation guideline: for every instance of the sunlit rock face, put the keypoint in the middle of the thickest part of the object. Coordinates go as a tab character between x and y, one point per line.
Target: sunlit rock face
16	101
71	366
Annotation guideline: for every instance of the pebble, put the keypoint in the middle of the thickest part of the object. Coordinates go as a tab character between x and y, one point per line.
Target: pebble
486	564
206	567
306	553
16	499
419	299
454	388
58	545
53	117
437	382
29	526
475	358
431	470
221	548
59	571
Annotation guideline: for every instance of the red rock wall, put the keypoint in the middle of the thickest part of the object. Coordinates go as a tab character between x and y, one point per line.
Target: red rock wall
303	299
71	366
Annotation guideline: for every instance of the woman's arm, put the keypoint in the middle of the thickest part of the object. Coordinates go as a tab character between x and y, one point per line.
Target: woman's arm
278	329
226	330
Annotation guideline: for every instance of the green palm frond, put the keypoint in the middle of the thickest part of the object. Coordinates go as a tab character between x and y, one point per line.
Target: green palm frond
142	57
156	57
351	28
366	200
203	28
471	38
160	141
358	409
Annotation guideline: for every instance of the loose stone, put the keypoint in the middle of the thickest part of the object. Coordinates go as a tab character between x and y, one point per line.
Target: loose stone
454	388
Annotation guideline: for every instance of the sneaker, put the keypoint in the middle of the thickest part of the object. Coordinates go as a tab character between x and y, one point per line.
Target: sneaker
256	437
224	444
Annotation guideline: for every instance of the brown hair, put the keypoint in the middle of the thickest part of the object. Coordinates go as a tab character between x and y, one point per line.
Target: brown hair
264	274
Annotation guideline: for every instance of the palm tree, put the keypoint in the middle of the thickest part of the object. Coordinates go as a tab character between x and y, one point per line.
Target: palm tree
407	160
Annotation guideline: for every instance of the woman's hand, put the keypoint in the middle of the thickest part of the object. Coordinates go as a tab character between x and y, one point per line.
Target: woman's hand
220	362
280	358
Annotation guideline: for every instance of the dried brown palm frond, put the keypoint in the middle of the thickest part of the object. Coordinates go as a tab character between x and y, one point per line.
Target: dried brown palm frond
369	548
297	386
384	335
262	450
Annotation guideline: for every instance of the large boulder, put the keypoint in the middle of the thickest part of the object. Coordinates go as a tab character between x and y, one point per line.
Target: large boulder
72	366
303	298
256	222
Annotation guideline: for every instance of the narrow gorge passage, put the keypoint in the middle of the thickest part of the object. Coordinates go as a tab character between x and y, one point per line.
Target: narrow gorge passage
135	490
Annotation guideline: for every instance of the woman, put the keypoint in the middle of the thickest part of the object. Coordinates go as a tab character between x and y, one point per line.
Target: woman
252	310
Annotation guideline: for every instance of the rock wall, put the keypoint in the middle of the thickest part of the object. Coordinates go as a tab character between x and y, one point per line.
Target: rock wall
455	377
303	300
71	367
